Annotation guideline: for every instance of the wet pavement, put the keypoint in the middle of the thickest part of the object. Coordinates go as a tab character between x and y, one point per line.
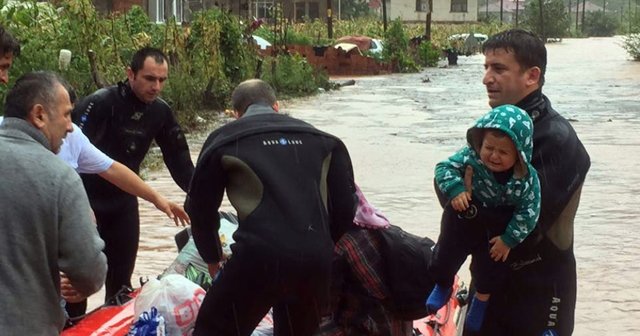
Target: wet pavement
397	127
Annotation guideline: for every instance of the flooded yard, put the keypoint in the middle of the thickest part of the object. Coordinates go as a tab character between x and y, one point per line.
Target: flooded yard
397	127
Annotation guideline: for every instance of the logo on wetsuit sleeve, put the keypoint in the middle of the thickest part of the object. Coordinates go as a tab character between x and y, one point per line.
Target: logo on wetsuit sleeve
85	115
553	317
281	142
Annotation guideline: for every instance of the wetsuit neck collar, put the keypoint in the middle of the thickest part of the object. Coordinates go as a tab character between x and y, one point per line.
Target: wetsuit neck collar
534	104
125	91
256	109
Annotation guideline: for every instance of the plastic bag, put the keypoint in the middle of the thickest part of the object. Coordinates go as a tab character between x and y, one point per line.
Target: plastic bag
188	256
265	327
367	215
189	252
177	300
148	324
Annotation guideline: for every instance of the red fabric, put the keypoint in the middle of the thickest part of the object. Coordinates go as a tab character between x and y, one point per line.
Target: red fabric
108	320
363	42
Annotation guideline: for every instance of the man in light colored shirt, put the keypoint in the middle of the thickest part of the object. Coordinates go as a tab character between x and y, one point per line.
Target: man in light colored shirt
78	152
45	213
81	155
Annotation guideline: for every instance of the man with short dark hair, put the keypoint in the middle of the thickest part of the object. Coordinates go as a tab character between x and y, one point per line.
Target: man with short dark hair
122	121
84	157
45	214
540	295
292	187
9	48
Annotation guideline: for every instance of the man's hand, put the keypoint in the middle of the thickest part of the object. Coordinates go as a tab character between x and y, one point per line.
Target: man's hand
173	211
67	291
499	250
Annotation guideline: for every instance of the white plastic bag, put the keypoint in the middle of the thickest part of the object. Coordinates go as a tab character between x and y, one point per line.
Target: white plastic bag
189	253
177	300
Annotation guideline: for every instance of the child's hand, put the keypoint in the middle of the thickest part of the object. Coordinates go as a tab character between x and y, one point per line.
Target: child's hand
461	202
499	250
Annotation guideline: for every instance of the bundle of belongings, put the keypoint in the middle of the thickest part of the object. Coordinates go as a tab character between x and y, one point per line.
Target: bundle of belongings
380	280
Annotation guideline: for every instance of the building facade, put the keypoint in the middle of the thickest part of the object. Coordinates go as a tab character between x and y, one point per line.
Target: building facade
296	10
162	10
491	10
443	10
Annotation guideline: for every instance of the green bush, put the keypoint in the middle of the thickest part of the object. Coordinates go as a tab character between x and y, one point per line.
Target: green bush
396	48
428	55
632	45
293	76
600	24
206	58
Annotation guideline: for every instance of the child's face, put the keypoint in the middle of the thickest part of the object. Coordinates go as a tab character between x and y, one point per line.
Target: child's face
498	152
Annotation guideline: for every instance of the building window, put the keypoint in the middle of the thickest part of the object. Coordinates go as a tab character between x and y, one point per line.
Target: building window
307	10
263	9
301	11
176	10
158	8
422	5
314	10
459	6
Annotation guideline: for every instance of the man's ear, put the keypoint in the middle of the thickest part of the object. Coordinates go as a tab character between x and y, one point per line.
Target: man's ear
236	114
276	107
37	116
130	74
533	76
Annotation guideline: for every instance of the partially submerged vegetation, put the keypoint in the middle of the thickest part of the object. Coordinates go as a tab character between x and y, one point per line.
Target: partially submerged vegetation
214	52
207	58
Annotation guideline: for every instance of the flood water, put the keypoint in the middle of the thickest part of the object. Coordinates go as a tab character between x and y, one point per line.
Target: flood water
397	127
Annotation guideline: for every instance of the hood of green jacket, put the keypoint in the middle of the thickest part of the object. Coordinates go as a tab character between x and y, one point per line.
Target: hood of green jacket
513	121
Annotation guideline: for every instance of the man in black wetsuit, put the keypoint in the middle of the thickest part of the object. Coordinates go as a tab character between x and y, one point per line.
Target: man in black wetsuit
540	293
122	121
9	48
292	187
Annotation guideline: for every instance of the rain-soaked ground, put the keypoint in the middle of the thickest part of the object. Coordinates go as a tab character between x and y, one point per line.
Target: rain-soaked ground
398	126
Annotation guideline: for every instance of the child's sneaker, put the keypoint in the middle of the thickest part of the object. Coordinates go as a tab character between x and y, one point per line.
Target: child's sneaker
476	315
438	297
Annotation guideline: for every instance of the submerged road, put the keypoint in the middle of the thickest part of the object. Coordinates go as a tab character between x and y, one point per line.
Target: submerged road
397	127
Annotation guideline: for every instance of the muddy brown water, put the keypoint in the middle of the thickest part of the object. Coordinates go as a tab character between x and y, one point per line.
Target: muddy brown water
397	127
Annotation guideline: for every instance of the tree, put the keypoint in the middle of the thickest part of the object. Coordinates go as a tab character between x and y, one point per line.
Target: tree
600	24
350	9
554	22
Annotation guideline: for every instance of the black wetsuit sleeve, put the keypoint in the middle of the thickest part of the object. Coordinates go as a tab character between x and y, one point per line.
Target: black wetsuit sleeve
175	151
562	163
203	201
342	197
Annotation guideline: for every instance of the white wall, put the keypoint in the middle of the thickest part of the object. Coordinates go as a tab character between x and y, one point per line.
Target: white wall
406	9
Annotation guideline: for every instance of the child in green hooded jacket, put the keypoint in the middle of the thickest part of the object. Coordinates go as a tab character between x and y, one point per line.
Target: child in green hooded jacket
498	156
